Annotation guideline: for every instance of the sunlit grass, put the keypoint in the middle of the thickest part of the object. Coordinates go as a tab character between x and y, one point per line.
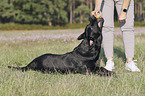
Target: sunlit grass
13	26
18	48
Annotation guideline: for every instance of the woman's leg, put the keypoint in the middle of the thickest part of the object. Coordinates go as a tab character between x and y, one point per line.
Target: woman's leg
108	29
127	28
108	32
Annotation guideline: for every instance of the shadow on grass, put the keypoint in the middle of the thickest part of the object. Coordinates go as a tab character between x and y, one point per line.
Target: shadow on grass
118	51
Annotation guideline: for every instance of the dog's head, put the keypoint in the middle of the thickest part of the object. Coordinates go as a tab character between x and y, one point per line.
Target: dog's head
93	30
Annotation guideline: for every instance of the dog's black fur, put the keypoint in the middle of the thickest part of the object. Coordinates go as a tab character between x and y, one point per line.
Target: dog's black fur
81	60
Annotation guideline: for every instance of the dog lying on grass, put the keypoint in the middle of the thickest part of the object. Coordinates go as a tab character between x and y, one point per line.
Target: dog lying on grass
81	60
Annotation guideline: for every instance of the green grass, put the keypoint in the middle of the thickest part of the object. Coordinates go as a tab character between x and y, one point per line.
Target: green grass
18	48
13	26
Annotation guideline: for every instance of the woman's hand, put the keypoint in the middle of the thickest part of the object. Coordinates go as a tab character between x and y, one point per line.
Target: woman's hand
97	14
122	16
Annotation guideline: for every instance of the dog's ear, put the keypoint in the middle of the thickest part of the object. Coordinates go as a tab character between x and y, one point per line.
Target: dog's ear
85	34
82	36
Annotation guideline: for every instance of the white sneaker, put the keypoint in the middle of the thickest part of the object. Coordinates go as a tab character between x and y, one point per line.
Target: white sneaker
132	66
109	65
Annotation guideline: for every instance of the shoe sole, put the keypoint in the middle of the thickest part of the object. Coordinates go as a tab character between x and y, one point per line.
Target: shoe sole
109	69
131	70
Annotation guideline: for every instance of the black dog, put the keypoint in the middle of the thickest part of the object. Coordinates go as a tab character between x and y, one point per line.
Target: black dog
81	60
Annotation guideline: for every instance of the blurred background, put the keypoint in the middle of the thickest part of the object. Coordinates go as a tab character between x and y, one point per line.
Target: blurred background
54	12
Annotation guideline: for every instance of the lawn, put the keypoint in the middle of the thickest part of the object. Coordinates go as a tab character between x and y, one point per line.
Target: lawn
18	48
15	26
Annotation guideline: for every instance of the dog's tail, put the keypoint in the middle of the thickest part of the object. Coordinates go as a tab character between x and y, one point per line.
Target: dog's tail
19	68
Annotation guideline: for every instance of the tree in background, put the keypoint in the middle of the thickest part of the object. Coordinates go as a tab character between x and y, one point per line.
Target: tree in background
143	9
40	11
59	16
54	12
140	10
79	10
82	11
6	12
33	11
